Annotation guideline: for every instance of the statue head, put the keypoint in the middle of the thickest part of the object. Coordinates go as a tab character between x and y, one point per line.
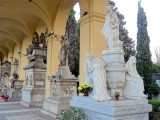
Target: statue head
109	8
131	61
89	55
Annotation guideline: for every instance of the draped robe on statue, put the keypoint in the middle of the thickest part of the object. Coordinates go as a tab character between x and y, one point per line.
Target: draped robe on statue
134	87
111	30
99	80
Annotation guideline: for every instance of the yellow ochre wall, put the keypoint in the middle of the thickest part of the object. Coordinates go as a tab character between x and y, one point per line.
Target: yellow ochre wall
91	39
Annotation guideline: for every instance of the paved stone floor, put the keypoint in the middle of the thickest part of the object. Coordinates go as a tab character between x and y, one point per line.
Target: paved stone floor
15	111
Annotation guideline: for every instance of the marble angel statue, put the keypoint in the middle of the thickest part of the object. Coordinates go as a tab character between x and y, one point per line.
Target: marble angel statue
134	84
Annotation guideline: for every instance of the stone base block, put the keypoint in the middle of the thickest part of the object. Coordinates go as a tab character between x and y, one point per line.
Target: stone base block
33	98
14	95
113	110
32	104
53	106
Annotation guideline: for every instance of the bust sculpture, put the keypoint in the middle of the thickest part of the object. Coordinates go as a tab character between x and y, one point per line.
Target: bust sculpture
111	31
134	84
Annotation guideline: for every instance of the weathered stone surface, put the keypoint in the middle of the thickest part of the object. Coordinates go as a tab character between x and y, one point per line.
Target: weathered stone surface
34	91
63	87
115	72
53	106
113	110
14	95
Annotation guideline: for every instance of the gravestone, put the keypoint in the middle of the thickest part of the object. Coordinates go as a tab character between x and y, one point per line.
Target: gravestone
35	74
119	76
15	85
63	85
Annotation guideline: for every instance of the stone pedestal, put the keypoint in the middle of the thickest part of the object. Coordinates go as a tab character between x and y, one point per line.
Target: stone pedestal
113	110
115	71
34	91
15	94
63	87
53	106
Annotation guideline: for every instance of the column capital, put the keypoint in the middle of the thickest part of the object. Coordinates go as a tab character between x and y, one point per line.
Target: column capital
50	38
92	17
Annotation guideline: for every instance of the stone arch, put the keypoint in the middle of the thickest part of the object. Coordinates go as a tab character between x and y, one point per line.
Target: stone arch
41	27
4	52
9	36
84	5
6	45
14	17
61	17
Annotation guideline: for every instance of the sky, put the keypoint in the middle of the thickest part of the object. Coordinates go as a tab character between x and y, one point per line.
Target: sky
129	9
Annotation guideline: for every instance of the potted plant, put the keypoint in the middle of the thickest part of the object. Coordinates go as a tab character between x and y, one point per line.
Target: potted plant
84	88
117	94
5	98
2	96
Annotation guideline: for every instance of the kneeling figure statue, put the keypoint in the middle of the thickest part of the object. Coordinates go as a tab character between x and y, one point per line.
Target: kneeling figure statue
97	67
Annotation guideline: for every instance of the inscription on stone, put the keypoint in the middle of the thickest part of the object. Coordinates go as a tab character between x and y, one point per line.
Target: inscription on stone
26	97
137	117
92	116
128	109
39	77
95	116
39	82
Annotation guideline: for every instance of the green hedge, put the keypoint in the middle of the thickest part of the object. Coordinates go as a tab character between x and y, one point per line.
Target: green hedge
155	107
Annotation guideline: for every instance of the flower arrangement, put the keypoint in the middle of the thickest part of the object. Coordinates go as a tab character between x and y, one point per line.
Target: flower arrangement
5	96
84	88
117	94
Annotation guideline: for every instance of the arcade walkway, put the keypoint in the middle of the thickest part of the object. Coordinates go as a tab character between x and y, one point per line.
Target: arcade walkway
15	111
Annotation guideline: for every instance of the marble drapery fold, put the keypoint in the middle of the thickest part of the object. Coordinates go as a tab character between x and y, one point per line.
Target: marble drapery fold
111	31
134	87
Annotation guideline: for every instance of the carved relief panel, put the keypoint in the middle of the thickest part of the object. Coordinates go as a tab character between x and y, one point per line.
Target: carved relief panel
39	80
63	89
27	80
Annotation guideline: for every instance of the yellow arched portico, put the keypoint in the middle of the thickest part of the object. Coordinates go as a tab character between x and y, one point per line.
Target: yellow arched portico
19	19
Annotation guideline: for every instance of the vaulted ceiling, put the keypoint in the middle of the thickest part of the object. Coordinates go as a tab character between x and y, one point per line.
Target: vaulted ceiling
20	18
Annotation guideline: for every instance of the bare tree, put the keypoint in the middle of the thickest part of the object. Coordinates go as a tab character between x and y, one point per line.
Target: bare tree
156	51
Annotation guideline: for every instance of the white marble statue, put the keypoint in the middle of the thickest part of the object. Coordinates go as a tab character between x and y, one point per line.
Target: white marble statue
134	84
111	31
96	76
88	69
99	80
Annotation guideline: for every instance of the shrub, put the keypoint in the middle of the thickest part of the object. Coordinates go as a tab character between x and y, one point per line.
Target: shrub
155	104
155	107
73	113
153	88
